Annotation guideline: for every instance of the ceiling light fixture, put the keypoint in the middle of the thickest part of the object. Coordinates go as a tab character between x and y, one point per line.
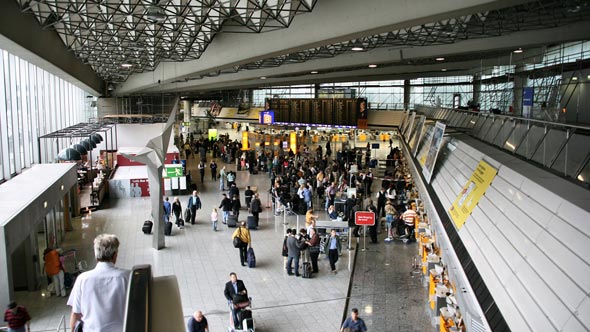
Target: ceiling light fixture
263	77
518	50
126	65
357	49
372	66
440	59
574	78
444	69
313	72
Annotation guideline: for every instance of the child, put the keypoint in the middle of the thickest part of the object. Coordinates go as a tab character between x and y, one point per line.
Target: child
214	218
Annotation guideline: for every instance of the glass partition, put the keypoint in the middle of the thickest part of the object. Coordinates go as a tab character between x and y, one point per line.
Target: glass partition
520	130
549	147
504	132
529	144
573	155
493	131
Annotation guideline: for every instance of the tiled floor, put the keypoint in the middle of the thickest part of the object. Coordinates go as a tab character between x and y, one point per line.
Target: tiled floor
202	259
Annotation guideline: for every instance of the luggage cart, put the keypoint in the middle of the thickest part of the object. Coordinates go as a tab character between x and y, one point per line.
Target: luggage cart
246	325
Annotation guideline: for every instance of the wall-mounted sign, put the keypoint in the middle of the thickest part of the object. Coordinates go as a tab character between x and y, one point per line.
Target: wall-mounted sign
172	170
266	117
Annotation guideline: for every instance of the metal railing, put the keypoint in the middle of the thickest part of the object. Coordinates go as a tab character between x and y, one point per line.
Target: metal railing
560	147
62	324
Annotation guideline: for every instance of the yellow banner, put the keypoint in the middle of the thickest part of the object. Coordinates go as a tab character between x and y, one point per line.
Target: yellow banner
293	142
472	192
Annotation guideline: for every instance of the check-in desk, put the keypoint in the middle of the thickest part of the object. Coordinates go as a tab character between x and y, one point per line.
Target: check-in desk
333	224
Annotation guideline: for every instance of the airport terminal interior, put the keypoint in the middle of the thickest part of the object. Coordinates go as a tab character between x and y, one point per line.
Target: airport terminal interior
431	159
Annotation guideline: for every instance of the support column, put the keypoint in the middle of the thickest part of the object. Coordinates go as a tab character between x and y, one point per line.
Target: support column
476	89
187	105
75	201
156	194
67	216
407	91
519	82
6	289
316	88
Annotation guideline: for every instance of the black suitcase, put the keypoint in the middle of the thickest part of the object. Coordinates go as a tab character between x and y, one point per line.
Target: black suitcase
251	221
307	270
245	315
147	227
168	228
232	221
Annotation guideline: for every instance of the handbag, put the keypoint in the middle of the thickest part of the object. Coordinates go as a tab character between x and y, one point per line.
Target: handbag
79	326
238	243
314	250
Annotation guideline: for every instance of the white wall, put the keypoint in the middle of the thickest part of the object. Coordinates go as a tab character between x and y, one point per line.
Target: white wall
526	238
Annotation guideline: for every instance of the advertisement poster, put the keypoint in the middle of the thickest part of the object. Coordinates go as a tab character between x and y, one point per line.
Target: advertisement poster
472	192
527	102
362	112
433	149
404	121
410	126
139	187
417	134
212	134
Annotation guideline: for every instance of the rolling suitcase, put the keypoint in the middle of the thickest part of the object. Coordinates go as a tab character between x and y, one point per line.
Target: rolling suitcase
251	222
251	258
147	227
307	270
232	221
168	228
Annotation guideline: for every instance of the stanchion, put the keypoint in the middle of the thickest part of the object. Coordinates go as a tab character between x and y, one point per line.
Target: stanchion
364	238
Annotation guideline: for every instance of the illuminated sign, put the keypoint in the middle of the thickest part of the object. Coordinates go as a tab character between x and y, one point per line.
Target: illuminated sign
244	140
293	142
266	117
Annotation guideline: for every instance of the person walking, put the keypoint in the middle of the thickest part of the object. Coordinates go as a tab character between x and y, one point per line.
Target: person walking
167	210
256	207
333	248
213	167
235	288
214	219
354	323
248	195
177	210
105	284
225	207
54	270
17	318
194	204
197	323
244	235
202	170
222	179
236	205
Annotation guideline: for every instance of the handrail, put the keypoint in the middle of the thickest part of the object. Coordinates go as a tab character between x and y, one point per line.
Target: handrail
511	117
62	322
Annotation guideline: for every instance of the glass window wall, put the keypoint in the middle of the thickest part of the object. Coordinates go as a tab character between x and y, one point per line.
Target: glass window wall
33	102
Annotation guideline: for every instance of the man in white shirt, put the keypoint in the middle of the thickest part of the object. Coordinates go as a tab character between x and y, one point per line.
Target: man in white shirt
98	296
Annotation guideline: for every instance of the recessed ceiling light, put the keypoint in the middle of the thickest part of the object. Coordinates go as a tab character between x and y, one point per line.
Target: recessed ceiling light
357	48
372	66
574	78
518	50
444	69
313	72
126	65
440	59
263	77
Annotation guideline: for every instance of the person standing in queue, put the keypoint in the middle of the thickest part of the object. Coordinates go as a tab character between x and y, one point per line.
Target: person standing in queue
256	207
98	297
373	229
354	323
314	249
197	323
194	204
17	318
293	253
244	234
333	248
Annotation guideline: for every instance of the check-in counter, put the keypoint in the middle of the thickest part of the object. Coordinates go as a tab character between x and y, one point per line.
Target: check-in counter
333	224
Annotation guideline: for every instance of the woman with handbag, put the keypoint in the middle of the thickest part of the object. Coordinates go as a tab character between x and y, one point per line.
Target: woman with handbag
241	240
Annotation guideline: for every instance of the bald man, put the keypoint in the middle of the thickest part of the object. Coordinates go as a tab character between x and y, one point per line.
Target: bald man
197	323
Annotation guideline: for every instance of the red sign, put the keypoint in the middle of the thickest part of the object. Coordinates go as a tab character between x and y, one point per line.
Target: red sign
364	218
